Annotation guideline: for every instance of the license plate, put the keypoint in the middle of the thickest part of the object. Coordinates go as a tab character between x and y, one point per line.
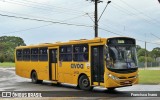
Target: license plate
126	82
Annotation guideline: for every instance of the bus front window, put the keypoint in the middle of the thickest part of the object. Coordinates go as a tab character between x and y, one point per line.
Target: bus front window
122	57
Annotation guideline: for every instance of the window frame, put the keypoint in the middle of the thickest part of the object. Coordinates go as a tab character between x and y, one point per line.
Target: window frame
21	55
81	53
44	55
34	54
65	53
26	54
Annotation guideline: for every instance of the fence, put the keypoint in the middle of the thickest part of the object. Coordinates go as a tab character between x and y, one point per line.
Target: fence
149	64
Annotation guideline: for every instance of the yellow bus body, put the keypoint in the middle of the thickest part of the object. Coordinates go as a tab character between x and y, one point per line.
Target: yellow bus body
63	73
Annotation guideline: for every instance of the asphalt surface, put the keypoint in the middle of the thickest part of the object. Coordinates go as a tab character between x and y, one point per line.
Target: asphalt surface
11	82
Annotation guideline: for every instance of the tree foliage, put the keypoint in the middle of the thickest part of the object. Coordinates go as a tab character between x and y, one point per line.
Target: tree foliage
141	52
142	59
155	52
7	47
151	55
138	47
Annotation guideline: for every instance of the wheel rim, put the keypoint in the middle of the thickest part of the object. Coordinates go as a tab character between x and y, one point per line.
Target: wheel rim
34	77
85	82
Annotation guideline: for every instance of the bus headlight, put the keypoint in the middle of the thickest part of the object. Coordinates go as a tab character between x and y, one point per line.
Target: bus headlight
136	76
113	77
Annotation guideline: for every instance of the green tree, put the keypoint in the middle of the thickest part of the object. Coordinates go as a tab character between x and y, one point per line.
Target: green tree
138	47
155	53
8	45
142	59
1	58
141	52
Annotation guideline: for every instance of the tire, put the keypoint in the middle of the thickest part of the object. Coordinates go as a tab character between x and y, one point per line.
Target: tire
84	83
34	78
40	81
77	87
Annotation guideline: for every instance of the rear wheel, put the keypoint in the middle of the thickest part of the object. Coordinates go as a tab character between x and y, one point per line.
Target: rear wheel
34	78
84	83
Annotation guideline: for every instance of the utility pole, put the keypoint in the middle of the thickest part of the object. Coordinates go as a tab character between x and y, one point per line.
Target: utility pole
96	18
145	55
145	52
96	14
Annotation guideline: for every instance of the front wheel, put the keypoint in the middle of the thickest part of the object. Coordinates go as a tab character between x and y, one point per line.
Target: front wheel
84	83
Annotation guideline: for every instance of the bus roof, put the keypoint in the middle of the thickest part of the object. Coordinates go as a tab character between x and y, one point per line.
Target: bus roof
81	41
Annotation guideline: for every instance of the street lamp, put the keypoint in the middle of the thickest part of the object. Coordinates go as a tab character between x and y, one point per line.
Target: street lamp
104	10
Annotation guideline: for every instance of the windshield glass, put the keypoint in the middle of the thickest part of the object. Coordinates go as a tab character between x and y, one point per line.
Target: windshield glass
122	57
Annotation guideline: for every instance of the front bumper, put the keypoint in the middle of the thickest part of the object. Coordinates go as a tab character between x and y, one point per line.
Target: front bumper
121	82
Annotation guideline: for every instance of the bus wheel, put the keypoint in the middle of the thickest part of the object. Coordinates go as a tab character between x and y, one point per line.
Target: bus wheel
35	78
84	83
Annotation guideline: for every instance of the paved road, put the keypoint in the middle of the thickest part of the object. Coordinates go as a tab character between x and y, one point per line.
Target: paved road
11	82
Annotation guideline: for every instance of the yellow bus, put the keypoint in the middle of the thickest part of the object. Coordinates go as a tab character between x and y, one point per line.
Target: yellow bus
106	62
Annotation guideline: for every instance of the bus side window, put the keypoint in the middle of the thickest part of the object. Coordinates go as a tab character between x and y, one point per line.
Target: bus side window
19	55
80	52
26	54
34	54
43	54
66	53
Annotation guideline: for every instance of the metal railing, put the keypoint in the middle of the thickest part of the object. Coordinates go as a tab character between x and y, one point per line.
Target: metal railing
149	64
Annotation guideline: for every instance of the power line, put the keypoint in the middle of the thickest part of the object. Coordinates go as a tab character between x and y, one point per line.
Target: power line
123	36
41	26
44	8
40	20
139	11
24	15
89	17
110	31
47	7
51	6
155	36
27	29
84	15
126	11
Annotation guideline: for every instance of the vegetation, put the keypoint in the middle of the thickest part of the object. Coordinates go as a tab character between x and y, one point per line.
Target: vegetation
151	55
7	47
149	76
7	64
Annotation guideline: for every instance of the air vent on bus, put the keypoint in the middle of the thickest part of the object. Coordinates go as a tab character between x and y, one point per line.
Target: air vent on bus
122	77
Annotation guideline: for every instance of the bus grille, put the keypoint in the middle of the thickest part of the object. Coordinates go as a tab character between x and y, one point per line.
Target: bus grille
126	77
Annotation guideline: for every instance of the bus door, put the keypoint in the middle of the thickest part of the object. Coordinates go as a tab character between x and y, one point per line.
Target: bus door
97	64
53	67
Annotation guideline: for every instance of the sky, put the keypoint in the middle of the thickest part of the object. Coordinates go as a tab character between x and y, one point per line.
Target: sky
138	19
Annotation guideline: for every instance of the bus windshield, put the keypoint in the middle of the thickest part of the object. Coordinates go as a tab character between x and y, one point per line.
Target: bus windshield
122	57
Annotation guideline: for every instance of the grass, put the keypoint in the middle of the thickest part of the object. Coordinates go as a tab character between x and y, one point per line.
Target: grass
149	76
7	64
